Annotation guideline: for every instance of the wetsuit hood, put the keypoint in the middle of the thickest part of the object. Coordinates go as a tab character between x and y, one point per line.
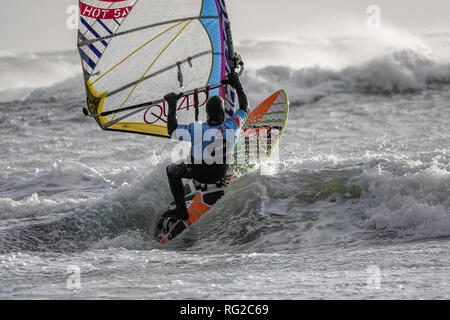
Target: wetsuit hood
215	111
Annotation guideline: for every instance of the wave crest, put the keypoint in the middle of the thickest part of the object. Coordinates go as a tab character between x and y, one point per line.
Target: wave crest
399	72
22	74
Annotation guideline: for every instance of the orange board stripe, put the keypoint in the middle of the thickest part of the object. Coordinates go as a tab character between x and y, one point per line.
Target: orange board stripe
262	109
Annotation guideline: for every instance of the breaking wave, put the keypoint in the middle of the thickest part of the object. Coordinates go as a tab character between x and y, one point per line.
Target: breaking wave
382	200
71	206
387	71
22	74
396	73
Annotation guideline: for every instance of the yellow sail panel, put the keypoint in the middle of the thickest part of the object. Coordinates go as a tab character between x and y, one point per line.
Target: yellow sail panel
136	127
95	101
95	104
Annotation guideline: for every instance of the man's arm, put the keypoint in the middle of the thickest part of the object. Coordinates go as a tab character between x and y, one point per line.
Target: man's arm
240	117
172	122
234	81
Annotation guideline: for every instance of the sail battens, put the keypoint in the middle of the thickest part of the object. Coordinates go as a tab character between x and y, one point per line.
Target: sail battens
135	52
84	43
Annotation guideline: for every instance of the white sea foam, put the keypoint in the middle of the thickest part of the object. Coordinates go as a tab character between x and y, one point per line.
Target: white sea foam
363	171
65	180
409	197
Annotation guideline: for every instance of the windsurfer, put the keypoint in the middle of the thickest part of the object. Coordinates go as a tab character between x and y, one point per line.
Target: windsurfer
208	161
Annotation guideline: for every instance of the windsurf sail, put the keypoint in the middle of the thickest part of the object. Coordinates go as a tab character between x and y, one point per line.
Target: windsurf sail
134	52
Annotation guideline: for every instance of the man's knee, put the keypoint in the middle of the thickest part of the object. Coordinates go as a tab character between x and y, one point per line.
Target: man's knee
175	171
170	171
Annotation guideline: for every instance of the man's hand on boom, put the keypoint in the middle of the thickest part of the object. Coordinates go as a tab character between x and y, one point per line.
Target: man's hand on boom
234	81
172	100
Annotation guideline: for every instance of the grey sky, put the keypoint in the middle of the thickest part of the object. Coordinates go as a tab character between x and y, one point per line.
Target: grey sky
29	25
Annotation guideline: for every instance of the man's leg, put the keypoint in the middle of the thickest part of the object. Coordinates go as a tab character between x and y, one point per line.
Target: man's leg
175	174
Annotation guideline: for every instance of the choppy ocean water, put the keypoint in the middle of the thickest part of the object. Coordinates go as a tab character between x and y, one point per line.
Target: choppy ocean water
359	208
